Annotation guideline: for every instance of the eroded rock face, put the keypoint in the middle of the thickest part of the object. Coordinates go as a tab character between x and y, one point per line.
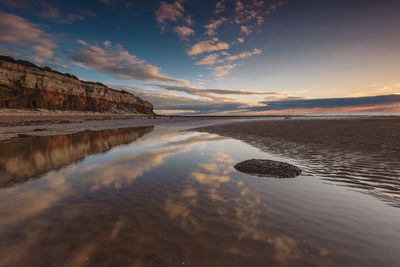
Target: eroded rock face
24	85
268	168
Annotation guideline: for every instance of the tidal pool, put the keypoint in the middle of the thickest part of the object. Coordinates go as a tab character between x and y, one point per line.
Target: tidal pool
162	197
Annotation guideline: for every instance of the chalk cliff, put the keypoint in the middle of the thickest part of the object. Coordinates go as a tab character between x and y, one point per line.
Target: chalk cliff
25	85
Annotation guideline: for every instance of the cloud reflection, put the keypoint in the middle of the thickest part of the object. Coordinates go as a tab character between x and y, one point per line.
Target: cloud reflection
129	206
121	170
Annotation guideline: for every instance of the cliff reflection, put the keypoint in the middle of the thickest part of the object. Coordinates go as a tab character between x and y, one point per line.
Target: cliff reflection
33	156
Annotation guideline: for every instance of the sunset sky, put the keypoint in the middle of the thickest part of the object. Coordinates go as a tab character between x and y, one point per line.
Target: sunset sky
220	57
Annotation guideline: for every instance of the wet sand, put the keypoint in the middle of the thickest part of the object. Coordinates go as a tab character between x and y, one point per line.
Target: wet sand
357	152
160	196
365	135
21	123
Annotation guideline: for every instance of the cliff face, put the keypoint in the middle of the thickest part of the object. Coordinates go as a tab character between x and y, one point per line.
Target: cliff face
24	85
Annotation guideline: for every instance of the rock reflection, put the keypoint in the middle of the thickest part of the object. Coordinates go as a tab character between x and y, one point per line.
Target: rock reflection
33	156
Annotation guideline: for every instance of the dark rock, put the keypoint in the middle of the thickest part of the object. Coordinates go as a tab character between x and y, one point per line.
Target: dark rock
268	168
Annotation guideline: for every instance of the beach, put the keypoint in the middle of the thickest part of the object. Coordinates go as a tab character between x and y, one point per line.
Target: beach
243	133
23	123
361	152
110	191
364	134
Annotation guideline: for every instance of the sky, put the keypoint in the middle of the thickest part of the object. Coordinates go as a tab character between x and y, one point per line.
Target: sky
222	57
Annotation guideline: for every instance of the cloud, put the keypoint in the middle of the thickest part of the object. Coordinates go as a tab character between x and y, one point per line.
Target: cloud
243	55
118	62
274	7
223	70
215	58
326	103
213	26
17	32
251	14
239	6
167	102
246	30
246	12
207	46
208	60
168	12
205	92
220	6
53	13
47	10
189	21
184	31
260	21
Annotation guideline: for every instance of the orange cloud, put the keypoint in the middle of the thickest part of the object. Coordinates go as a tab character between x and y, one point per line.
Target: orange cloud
207	46
214	25
208	60
18	32
118	62
389	108
184	31
168	12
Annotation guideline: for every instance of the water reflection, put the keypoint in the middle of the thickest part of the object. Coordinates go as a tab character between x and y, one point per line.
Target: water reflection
175	199
32	156
370	173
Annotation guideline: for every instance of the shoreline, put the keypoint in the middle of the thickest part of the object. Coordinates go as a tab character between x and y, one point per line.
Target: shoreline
23	123
365	134
356	153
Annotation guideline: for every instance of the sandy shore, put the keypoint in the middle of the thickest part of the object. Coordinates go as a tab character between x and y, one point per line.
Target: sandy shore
22	123
366	135
362	153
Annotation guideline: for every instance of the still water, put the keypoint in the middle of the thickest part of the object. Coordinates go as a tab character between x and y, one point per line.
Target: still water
163	197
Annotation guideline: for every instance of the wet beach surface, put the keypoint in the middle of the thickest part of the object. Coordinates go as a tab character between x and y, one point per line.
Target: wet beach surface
363	153
18	123
157	196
